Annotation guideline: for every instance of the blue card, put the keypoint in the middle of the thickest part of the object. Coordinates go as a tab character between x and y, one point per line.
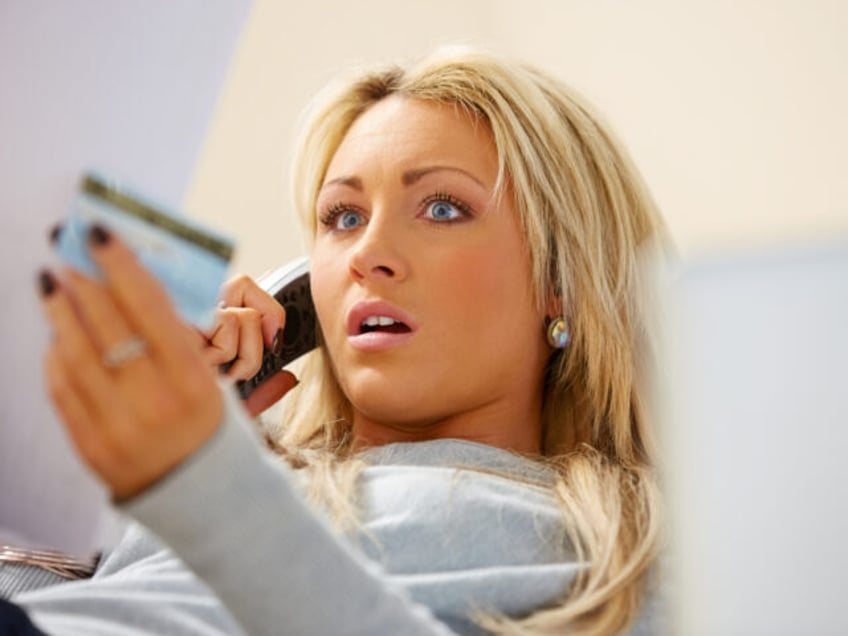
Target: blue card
189	260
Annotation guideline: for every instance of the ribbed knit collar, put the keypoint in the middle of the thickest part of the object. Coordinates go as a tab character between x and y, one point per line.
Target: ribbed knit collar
458	453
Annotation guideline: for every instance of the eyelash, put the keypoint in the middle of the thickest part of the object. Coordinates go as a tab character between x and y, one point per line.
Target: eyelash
329	218
444	197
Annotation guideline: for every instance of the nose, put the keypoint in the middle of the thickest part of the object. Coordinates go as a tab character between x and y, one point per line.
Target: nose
377	254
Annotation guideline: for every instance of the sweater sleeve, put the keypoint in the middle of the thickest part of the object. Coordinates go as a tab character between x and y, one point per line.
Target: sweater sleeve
140	588
233	515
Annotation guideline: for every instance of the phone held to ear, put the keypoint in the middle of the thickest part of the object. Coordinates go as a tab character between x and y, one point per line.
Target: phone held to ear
189	259
289	285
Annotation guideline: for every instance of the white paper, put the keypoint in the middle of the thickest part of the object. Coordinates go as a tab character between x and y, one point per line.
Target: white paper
127	88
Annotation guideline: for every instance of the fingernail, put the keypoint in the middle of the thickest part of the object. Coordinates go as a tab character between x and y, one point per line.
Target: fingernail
55	231
98	235
277	344
46	282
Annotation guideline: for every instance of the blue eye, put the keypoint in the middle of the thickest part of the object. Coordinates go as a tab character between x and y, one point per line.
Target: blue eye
443	211
348	220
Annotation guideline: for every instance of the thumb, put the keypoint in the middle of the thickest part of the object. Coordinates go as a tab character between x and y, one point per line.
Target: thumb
270	392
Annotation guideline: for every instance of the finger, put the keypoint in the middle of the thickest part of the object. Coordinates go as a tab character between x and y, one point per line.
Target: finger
222	341
248	358
270	392
140	298
78	419
99	313
197	337
237	337
243	291
71	342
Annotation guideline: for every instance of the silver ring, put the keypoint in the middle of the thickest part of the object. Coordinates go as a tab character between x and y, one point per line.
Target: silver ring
124	352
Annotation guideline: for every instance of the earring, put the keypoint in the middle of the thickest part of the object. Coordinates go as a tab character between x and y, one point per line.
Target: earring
557	333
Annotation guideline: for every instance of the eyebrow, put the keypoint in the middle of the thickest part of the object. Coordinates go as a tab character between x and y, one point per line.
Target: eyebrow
410	177
351	182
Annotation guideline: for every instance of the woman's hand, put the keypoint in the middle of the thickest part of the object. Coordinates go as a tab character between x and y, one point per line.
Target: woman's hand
250	321
127	376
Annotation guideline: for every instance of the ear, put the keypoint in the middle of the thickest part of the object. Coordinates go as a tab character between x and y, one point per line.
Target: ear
554	295
553	306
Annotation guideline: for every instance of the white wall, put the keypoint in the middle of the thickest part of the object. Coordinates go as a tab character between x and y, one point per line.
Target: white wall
734	110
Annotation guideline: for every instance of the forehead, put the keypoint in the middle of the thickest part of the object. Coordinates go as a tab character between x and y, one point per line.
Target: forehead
405	132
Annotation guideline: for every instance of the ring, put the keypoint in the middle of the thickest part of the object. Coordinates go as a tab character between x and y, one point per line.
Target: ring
124	352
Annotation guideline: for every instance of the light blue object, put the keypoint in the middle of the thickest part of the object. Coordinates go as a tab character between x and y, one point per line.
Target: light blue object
188	259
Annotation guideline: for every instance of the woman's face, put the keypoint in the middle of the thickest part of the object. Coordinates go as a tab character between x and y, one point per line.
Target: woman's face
422	282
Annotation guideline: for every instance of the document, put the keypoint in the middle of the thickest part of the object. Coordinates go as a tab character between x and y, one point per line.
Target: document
125	88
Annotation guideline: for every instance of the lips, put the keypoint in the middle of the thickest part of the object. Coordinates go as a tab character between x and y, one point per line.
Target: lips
376	325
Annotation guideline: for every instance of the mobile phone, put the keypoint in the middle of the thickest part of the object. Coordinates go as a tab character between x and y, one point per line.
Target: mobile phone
289	285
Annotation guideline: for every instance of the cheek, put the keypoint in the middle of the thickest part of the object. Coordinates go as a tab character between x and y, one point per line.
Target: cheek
487	288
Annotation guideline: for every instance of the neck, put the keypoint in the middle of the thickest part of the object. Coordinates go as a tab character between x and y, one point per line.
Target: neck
518	430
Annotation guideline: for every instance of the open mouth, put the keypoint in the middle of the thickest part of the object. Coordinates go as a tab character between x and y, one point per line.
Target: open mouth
383	324
376	325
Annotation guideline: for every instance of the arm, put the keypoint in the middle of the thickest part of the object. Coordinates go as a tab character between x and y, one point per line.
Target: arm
157	431
232	515
139	588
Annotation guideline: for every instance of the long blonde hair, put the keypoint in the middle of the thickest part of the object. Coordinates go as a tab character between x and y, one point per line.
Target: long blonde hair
585	212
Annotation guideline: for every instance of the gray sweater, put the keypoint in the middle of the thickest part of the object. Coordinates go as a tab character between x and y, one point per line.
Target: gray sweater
448	528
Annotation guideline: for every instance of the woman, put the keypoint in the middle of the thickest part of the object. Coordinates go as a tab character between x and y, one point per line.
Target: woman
472	422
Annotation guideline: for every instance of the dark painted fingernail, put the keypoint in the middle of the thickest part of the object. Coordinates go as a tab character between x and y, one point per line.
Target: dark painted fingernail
98	235
55	232
277	344
46	282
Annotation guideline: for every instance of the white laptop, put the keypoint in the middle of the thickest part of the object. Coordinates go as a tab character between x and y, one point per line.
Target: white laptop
755	434
127	88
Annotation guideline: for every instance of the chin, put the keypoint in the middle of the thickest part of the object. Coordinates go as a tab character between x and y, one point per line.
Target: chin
384	406
385	401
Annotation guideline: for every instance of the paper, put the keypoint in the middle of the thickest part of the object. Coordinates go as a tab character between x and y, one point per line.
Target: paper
128	89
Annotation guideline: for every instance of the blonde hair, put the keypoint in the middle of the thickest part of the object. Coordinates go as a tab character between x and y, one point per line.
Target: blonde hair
585	213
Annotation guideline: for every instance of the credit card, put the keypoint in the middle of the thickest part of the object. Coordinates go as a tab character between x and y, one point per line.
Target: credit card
188	259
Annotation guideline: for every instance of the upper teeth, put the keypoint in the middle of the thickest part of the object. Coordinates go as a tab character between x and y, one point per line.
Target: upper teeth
378	321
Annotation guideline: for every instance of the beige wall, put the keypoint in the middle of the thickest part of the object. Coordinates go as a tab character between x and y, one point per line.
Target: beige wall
734	110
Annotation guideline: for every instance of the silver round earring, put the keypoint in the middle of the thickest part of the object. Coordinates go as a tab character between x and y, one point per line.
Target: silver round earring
557	333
